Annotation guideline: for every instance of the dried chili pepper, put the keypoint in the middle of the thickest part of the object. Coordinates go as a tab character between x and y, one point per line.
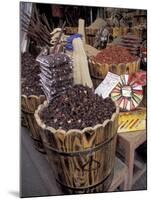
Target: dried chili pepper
115	55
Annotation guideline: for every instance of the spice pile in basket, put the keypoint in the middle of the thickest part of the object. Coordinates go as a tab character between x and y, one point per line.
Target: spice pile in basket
29	75
114	55
78	107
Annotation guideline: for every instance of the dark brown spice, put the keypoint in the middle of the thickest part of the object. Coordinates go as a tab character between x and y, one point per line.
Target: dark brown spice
78	107
30	81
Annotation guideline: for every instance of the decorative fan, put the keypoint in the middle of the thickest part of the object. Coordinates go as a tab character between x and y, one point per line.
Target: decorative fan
127	94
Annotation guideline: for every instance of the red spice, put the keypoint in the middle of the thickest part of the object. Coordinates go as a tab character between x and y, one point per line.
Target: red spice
114	55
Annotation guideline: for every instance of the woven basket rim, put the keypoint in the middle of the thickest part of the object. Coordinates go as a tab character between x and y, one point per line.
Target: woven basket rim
32	96
80	131
27	98
91	60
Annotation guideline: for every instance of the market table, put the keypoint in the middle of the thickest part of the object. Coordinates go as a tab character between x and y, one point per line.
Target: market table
129	142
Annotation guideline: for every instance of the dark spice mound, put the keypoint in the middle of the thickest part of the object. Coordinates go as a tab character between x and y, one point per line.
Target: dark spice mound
29	75
78	107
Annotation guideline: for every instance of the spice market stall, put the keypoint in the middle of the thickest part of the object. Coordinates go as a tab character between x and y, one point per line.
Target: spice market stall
83	96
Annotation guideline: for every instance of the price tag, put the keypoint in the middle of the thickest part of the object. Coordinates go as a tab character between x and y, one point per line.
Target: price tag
107	85
127	91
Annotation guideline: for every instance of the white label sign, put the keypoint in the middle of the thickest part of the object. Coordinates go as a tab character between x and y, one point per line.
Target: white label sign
107	85
127	91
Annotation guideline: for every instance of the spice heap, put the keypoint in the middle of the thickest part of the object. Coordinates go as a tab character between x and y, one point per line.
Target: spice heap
78	107
56	73
29	75
114	55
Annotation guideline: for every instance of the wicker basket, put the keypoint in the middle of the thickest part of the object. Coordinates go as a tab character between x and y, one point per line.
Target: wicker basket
82	160
28	106
90	33
101	70
138	31
119	31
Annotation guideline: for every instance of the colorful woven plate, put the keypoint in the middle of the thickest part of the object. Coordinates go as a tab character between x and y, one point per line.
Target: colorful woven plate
127	94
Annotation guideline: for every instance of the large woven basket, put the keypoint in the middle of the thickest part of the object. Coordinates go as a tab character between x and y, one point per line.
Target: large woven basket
82	160
28	106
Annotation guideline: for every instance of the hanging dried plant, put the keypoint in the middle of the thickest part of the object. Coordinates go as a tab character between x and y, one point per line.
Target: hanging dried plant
37	27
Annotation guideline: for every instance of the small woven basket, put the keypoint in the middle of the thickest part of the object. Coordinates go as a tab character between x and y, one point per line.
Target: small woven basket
28	106
119	31
90	33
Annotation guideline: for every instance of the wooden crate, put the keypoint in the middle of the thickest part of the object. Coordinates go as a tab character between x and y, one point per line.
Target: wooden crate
28	106
133	120
83	160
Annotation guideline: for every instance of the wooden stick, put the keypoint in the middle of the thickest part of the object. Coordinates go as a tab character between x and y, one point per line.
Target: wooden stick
53	51
46	22
81	29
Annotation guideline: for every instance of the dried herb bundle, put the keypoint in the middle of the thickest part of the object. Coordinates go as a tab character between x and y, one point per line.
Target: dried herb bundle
37	27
